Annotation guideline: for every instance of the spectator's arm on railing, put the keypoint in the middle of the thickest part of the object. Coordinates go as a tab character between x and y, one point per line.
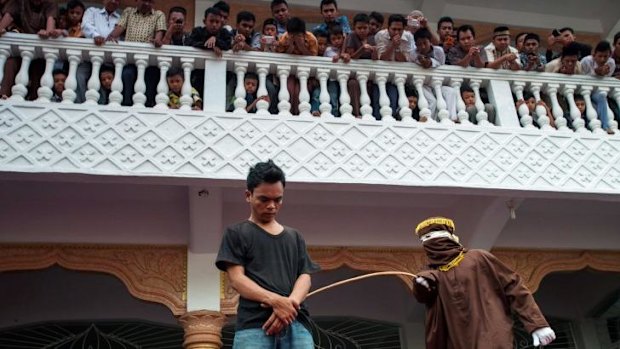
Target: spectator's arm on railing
116	33
88	26
6	21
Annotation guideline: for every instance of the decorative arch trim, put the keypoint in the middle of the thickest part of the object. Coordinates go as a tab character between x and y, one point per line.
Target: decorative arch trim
152	273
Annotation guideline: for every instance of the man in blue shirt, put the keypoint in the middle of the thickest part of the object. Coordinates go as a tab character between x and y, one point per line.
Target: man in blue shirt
329	10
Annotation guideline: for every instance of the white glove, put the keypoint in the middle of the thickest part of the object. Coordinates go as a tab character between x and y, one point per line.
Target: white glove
542	336
422	281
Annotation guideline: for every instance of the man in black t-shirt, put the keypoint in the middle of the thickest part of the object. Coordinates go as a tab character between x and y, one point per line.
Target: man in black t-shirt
267	263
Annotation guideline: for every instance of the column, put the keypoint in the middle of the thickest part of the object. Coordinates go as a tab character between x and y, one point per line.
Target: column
214	97
240	102
346	109
575	114
456	83
139	95
541	112
203	329
403	103
116	96
186	91
325	108
303	73
593	122
524	113
94	84
162	98
5	53
19	90
284	106
442	107
75	58
418	82
481	116
384	100
556	109
47	80
262	107
365	107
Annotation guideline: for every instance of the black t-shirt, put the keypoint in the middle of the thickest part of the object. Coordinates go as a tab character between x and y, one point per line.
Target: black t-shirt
274	262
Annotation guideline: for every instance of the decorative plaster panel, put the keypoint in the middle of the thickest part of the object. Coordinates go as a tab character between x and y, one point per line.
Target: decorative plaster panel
36	137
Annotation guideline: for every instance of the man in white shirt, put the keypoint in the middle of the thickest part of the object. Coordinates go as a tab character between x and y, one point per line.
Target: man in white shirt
600	64
97	24
500	55
393	44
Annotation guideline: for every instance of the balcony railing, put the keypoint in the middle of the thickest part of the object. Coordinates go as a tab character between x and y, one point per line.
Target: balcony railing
38	136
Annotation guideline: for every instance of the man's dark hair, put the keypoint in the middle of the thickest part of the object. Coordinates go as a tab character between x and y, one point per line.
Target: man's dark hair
361	18
397	18
377	17
106	68
71	4
571	30
213	11
245	16
319	33
410	91
335	30
59	71
422	33
270	21
527	95
264	172
603	46
222	6
250	76
465	28
571	49
296	25
502	28
328	2
579	97
531	36
520	35
444	19
275	3
616	38
174	71
178	9
466	88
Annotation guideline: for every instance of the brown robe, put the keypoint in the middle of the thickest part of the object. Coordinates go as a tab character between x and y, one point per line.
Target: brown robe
470	305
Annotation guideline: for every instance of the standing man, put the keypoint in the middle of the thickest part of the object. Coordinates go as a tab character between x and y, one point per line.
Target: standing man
268	265
331	16
499	53
279	11
97	24
470	294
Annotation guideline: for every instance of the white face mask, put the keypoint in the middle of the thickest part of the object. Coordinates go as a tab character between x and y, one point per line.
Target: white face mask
439	234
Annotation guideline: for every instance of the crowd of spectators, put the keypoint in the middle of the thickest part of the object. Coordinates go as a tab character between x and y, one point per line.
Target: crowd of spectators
402	38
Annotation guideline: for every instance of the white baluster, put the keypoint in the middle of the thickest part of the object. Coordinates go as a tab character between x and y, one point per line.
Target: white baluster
541	112
442	107
593	122
403	102
325	108
94	83
262	106
482	117
186	91
418	82
575	114
116	96
365	108
303	73
162	99
5	53
139	94
346	109
556	109
240	102
19	91
75	58
613	125
524	112
284	106
384	100
47	80
460	105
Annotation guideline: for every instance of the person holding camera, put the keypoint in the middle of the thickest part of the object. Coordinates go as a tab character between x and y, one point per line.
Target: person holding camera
531	59
562	38
176	35
466	53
